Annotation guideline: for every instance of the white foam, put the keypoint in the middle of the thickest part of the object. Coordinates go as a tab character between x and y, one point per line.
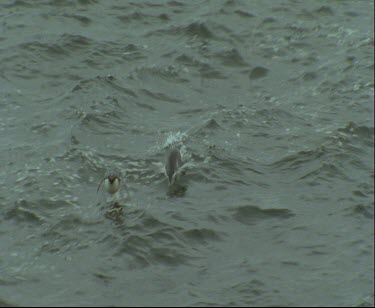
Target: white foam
175	139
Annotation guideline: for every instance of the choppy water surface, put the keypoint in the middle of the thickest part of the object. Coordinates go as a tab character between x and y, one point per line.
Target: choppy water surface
271	103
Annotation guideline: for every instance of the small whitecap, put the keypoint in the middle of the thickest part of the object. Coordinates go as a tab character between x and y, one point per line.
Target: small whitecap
174	138
54	198
207	159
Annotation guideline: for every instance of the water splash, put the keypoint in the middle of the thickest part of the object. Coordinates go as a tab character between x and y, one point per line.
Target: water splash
175	139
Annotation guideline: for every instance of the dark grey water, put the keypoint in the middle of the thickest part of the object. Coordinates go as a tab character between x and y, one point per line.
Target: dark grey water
271	103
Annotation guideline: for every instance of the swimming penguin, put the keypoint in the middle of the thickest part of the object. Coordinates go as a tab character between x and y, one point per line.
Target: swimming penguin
172	165
111	182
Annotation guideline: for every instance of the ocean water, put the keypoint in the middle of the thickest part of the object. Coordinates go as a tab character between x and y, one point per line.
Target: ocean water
271	104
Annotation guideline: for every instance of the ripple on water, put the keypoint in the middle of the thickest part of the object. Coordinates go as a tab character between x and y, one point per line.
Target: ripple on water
147	240
361	210
203	235
69	233
37	211
258	72
231	57
198	29
157	74
250	214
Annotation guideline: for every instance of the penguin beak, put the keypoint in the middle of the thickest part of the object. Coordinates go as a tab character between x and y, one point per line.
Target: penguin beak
112	178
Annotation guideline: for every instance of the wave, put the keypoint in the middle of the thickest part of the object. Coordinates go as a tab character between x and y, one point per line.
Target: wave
250	214
147	240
